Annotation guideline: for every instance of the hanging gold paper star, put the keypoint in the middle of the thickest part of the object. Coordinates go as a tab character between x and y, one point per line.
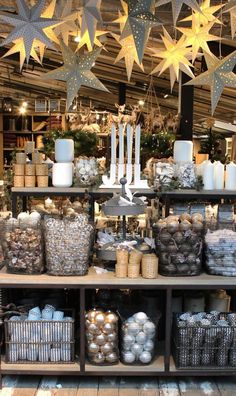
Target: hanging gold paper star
85	40
177	5
28	25
137	22
64	13
218	76
129	53
90	15
207	14
198	36
231	8
19	47
76	71
175	57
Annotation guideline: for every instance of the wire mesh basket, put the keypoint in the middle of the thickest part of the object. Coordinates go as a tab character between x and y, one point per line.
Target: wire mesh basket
39	341
202	344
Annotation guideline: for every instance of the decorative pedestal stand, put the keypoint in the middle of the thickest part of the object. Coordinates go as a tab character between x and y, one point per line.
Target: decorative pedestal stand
130	170
112	208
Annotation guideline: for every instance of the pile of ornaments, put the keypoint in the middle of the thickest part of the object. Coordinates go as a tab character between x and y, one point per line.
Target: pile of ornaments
138	339
87	171
102	337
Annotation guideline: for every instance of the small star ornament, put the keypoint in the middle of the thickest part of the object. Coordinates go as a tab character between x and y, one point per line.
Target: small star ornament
177	5
90	15
63	12
76	71
175	56
28	26
198	36
137	21
218	76
231	8
207	14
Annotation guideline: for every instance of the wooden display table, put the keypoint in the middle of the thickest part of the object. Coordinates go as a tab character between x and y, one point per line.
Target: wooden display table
162	365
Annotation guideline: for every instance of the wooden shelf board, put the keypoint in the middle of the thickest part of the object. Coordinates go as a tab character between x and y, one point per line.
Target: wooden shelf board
108	280
35	368
156	366
200	371
12	149
71	190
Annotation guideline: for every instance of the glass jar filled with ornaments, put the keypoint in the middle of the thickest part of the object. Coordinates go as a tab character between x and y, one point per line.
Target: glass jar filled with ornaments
102	337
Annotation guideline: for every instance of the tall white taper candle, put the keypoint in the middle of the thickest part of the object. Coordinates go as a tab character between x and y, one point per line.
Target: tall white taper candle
137	144
121	144
129	133
113	144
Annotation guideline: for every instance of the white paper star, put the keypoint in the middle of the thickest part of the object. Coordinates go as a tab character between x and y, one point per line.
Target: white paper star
64	13
90	14
137	22
231	8
28	25
198	36
76	71
207	14
218	76
175	56
177	5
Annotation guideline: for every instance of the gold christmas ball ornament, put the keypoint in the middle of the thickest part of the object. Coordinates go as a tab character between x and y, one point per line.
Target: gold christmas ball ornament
99	358
100	339
111	317
93	347
99	319
107	348
108	328
93	329
112	357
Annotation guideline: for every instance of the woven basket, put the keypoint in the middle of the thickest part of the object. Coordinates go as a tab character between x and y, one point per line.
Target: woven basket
19	169
29	147
19	181
30	181
122	256
135	257
20	158
30	170
41	170
42	181
121	271
37	157
133	271
150	266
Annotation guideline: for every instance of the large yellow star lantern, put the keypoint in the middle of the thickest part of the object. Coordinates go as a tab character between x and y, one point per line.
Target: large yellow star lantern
198	36
76	71
85	39
19	47
90	16
218	76
177	5
137	21
29	26
207	14
231	8
175	56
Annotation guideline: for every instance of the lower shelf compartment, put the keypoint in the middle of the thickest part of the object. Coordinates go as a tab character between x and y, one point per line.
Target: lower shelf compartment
34	368
157	366
199	371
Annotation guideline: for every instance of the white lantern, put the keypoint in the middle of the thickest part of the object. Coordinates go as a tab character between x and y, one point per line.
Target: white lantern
64	150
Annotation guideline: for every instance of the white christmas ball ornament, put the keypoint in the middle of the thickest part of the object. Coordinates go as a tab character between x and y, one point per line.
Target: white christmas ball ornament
128	357
141	338
149	328
93	348
149	346
130	320
145	357
140	318
23	216
35	216
128	339
136	349
133	328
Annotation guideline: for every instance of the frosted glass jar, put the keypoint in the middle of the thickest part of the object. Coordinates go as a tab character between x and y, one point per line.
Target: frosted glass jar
62	174
64	150
183	151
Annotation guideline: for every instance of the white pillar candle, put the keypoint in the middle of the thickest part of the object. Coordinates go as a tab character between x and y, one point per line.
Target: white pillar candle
183	151
129	133
113	144
137	144
64	150
62	174
121	144
219	175
208	176
230	180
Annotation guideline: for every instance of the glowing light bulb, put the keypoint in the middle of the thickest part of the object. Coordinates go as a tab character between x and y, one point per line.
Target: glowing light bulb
141	102
24	104
22	110
77	39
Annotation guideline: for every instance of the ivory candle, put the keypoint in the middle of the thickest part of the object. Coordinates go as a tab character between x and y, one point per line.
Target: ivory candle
208	176
64	150
113	144
121	144
230	181
129	133
62	174
137	144
219	175
183	151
